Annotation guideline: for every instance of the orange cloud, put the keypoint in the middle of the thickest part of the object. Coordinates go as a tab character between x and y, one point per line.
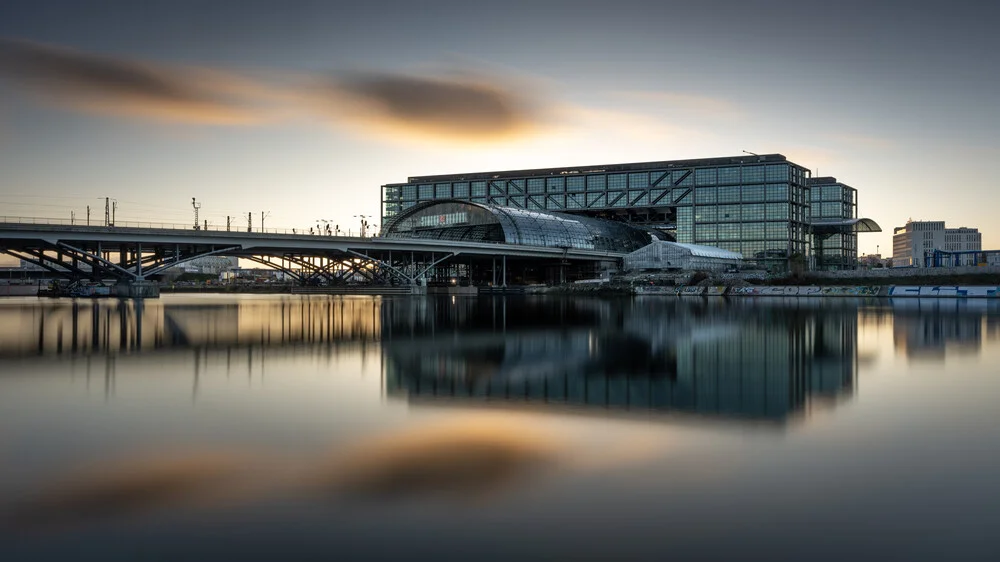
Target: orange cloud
118	86
461	107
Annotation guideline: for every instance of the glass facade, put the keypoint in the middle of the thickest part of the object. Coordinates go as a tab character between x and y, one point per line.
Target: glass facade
756	205
832	201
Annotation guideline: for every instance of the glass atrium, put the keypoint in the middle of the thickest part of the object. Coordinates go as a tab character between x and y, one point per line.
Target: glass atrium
481	222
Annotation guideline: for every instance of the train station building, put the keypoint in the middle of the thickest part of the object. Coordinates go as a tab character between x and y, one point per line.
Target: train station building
760	206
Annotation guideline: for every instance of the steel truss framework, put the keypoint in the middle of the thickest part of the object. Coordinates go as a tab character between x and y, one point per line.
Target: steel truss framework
128	255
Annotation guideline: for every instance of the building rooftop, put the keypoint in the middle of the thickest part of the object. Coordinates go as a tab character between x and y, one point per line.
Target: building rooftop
571	170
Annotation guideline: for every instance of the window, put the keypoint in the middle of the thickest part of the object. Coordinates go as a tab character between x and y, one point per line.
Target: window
753	231
777	211
705	213
705	232
638	180
616	181
753	174
497	188
555	185
753	212
536	185
777	172
596	200
729	213
777	231
426	192
575	183
777	192
729	194
729	232
478	189
442	191
753	193
515	187
596	183
409	193
729	175
704	195
705	176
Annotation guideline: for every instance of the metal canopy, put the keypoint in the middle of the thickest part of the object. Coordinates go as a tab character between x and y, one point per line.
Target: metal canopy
841	225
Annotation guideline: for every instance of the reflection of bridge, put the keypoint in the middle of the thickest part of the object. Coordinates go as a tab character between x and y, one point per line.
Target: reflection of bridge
135	254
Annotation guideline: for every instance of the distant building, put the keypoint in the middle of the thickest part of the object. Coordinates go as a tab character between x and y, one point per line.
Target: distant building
871	261
212	265
913	242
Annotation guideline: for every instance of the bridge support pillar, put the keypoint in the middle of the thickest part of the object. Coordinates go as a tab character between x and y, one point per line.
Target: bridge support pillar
137	290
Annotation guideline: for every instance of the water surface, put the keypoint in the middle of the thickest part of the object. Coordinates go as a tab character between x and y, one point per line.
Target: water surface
274	427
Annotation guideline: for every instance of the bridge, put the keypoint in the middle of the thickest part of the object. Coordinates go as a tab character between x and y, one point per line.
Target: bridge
133	255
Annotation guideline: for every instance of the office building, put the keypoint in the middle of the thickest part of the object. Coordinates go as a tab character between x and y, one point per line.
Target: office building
755	205
832	204
915	244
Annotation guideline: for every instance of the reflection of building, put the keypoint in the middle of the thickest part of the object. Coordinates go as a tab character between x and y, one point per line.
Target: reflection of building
756	205
731	362
928	328
912	242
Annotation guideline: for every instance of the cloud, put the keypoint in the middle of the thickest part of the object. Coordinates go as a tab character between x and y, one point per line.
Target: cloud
461	107
103	84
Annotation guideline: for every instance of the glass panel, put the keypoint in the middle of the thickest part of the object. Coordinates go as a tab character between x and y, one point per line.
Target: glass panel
753	174
461	189
596	183
704	195
705	176
442	191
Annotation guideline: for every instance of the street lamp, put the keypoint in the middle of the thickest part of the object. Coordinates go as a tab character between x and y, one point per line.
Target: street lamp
364	223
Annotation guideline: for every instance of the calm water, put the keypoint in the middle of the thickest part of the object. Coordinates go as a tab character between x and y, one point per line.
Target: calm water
391	428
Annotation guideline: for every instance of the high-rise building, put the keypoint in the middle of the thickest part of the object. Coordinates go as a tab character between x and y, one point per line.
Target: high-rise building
914	244
758	205
832	203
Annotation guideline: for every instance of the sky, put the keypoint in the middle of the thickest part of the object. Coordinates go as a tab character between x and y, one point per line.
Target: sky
301	110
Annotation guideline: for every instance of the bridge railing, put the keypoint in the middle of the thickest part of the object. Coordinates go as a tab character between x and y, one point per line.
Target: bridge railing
10	219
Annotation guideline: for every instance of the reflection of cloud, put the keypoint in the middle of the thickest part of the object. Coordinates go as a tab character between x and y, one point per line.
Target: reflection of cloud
104	84
130	487
463	108
461	459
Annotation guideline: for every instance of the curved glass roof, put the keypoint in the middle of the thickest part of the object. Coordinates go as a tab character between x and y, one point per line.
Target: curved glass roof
480	222
857	225
707	251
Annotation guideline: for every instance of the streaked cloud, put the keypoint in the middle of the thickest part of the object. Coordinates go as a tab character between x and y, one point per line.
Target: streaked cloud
120	86
458	107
